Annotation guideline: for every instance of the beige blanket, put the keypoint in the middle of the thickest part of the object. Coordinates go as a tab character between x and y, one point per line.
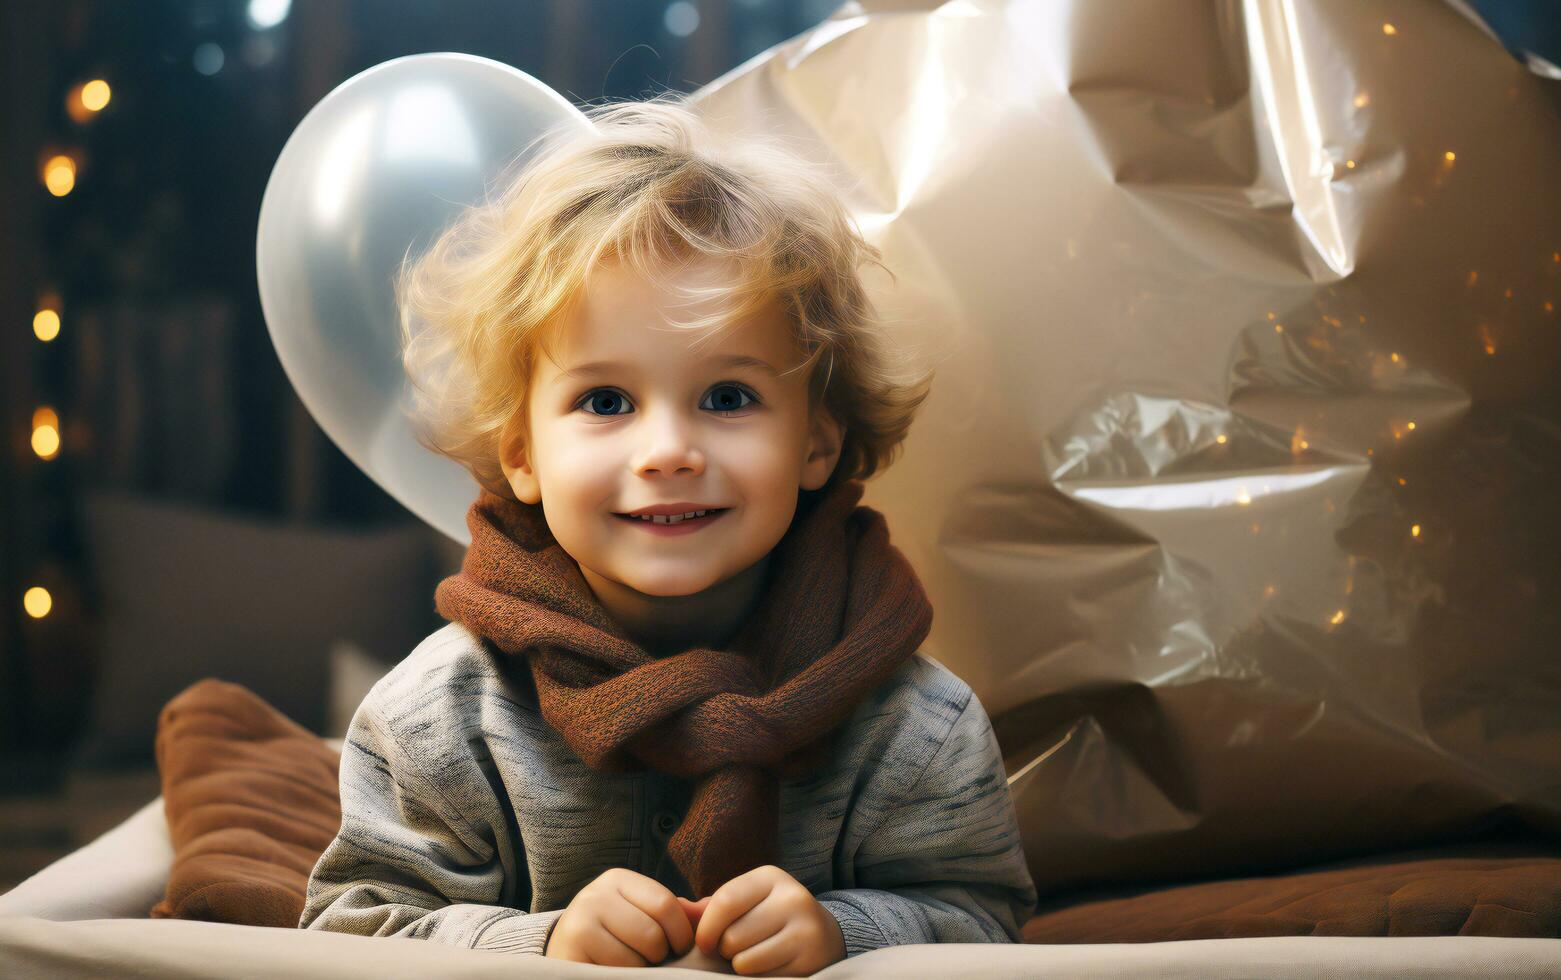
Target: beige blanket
174	949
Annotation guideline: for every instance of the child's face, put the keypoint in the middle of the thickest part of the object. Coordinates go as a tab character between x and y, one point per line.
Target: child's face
668	424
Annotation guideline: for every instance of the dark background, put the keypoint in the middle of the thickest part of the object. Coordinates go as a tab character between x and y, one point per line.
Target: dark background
194	520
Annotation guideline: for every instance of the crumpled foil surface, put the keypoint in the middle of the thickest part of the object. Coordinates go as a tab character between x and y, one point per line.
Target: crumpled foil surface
1236	493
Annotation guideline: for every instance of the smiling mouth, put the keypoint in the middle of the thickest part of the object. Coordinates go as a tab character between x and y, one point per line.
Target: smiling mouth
687	520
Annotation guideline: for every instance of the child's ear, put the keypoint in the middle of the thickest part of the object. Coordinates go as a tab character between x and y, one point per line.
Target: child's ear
825	436
514	460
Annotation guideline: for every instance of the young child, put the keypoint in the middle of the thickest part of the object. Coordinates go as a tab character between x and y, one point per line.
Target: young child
642	733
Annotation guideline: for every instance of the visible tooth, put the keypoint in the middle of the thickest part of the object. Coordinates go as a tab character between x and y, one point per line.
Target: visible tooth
674	518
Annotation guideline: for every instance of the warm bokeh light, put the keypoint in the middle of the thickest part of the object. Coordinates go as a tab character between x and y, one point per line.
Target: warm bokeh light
46	325
46	441
37	602
1450	156
95	94
1389	30
1487	339
1362	100
86	100
1414	531
59	175
44	415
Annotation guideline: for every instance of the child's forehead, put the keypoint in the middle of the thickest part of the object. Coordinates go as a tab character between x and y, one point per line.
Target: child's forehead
625	314
643	341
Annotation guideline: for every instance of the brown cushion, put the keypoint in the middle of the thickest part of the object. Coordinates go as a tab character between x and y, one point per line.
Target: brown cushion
252	801
1493	887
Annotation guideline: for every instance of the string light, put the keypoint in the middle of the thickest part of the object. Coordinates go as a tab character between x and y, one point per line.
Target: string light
1389	30
59	175
95	94
46	441
46	432
37	602
46	325
87	99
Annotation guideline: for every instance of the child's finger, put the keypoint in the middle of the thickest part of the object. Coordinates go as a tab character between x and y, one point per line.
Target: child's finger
694	909
645	896
737	897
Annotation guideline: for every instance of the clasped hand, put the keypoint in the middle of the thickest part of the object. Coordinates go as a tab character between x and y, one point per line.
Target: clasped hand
765	922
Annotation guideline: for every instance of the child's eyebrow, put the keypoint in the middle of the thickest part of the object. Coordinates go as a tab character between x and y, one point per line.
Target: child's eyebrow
731	360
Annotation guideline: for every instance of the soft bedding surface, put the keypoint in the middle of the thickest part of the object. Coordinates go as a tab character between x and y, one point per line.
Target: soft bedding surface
1508	886
172	949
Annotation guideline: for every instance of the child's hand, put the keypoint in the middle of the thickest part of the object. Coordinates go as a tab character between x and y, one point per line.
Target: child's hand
768	924
623	918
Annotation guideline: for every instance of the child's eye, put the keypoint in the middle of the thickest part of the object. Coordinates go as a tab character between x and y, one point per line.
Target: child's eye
727	404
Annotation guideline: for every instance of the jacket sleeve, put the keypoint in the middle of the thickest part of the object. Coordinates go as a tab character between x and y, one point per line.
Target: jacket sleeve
946	865
405	863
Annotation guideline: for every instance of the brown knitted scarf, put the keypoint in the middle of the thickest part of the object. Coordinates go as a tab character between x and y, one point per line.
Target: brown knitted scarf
841	611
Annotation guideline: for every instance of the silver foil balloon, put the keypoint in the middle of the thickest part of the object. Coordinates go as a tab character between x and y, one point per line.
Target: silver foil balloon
375	171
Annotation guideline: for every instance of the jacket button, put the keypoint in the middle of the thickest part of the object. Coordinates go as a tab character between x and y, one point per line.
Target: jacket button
665	822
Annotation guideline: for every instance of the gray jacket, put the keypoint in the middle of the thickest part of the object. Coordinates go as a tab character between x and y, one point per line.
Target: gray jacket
467	819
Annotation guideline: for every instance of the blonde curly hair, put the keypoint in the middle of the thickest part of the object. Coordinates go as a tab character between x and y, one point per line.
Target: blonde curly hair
648	183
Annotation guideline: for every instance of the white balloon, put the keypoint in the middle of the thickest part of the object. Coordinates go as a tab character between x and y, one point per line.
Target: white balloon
372	175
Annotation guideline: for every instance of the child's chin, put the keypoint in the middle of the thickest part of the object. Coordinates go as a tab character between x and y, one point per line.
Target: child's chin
661	590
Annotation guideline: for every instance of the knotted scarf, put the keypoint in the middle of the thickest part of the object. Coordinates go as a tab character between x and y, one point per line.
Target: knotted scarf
840	612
